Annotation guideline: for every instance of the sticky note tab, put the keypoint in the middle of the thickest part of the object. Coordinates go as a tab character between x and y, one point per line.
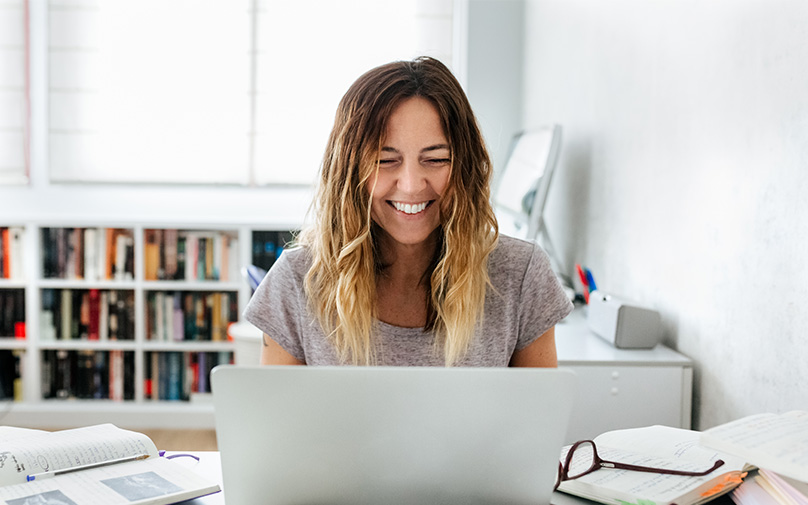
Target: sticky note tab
730	480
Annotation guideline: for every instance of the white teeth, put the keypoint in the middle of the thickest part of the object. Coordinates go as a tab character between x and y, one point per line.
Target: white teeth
410	208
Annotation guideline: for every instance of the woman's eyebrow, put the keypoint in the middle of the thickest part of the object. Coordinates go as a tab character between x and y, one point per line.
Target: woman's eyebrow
435	147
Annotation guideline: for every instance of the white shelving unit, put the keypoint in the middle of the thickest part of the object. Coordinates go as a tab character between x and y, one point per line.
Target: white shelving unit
141	412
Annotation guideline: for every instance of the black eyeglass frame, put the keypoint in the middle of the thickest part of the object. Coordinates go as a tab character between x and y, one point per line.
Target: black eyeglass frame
598	463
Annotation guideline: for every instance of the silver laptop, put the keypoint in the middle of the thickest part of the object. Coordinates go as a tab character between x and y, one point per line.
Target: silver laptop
379	435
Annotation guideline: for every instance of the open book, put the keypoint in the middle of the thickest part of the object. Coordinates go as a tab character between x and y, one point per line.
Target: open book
775	442
96	465
657	447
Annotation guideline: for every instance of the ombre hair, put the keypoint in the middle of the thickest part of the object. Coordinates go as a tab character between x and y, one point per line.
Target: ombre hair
343	240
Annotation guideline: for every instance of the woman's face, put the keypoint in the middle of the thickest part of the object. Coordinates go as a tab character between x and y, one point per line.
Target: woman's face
414	166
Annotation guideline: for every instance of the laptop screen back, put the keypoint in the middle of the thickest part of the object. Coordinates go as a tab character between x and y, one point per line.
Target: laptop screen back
316	435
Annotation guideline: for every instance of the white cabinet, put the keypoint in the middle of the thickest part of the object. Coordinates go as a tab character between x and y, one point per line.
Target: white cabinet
622	388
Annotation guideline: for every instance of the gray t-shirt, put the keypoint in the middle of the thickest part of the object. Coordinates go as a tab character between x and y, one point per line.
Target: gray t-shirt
527	300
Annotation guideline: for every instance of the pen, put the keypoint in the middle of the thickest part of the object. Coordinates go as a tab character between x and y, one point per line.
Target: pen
46	475
590	280
584	281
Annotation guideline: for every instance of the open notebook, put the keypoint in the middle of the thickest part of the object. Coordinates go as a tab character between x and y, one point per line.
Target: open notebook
311	435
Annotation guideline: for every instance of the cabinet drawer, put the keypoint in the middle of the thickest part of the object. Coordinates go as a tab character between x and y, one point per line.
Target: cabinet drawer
611	398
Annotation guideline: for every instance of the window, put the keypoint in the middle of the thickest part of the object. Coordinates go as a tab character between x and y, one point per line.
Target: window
13	97
216	91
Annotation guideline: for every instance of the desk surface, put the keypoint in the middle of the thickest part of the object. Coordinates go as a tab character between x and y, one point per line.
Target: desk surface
577	345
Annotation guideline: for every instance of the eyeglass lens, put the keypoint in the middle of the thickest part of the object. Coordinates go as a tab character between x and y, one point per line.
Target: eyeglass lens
583	459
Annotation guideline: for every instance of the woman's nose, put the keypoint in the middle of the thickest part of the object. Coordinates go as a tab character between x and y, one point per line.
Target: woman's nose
412	177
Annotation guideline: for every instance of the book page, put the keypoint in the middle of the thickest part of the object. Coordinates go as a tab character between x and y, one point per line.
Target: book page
663	442
657	447
775	442
154	481
43	452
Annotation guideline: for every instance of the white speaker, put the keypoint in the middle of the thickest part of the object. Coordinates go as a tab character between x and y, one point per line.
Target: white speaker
623	324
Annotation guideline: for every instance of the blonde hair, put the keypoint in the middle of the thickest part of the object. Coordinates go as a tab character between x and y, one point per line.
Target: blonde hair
342	240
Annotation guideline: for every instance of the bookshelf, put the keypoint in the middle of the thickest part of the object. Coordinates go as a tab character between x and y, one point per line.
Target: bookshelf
122	322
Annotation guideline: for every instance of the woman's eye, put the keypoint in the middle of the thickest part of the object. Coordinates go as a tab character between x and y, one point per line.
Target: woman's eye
439	161
387	162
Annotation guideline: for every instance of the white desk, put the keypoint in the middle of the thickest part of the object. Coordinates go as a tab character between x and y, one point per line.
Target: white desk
622	388
210	465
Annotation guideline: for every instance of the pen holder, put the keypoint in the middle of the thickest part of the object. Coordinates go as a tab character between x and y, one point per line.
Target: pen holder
621	323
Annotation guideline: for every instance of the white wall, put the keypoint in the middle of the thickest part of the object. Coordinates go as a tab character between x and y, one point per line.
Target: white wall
684	174
494	71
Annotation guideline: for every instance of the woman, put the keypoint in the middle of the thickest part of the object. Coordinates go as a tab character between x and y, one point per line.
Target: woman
403	264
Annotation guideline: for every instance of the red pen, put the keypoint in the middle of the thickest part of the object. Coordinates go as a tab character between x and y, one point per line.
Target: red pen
585	283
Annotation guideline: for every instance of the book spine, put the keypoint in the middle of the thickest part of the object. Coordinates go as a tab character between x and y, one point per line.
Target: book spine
94	297
66	312
84	316
171	260
16	254
5	254
155	376
216	257
78	247
103	316
48	371
90	252
175	375
85	364
64	374
168	315
100	375
116	375
109	252
179	318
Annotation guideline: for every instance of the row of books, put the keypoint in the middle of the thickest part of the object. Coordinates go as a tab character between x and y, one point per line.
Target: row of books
10	375
171	254
108	375
91	314
92	254
175	376
268	246
12	313
189	315
11	253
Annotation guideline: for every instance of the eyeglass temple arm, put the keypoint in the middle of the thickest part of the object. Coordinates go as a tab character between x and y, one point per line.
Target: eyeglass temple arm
637	468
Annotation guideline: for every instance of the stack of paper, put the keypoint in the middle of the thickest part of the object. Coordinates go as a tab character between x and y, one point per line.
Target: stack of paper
769	488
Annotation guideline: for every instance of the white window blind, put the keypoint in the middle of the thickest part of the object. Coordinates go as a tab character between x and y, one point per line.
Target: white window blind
308	54
216	91
13	103
149	90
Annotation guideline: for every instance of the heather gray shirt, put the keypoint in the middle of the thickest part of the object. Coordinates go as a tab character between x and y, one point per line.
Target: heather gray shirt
526	302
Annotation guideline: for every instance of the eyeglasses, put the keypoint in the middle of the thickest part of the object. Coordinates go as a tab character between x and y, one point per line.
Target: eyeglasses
583	459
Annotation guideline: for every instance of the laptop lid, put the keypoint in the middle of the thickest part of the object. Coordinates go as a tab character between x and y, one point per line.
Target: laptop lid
317	435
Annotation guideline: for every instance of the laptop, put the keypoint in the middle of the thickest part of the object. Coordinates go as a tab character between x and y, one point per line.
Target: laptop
390	435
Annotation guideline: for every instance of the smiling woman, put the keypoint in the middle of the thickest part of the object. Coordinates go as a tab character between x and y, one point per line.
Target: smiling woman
403	264
414	168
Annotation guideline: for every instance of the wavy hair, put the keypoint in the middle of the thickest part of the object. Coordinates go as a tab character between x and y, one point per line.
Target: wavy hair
342	239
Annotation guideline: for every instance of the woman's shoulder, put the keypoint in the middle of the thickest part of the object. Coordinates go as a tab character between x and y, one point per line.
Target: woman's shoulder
512	252
294	261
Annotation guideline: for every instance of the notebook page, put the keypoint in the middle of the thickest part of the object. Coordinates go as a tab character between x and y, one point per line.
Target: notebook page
34	454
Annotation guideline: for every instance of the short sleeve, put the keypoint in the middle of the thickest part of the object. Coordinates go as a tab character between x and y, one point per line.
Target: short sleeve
543	302
278	305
